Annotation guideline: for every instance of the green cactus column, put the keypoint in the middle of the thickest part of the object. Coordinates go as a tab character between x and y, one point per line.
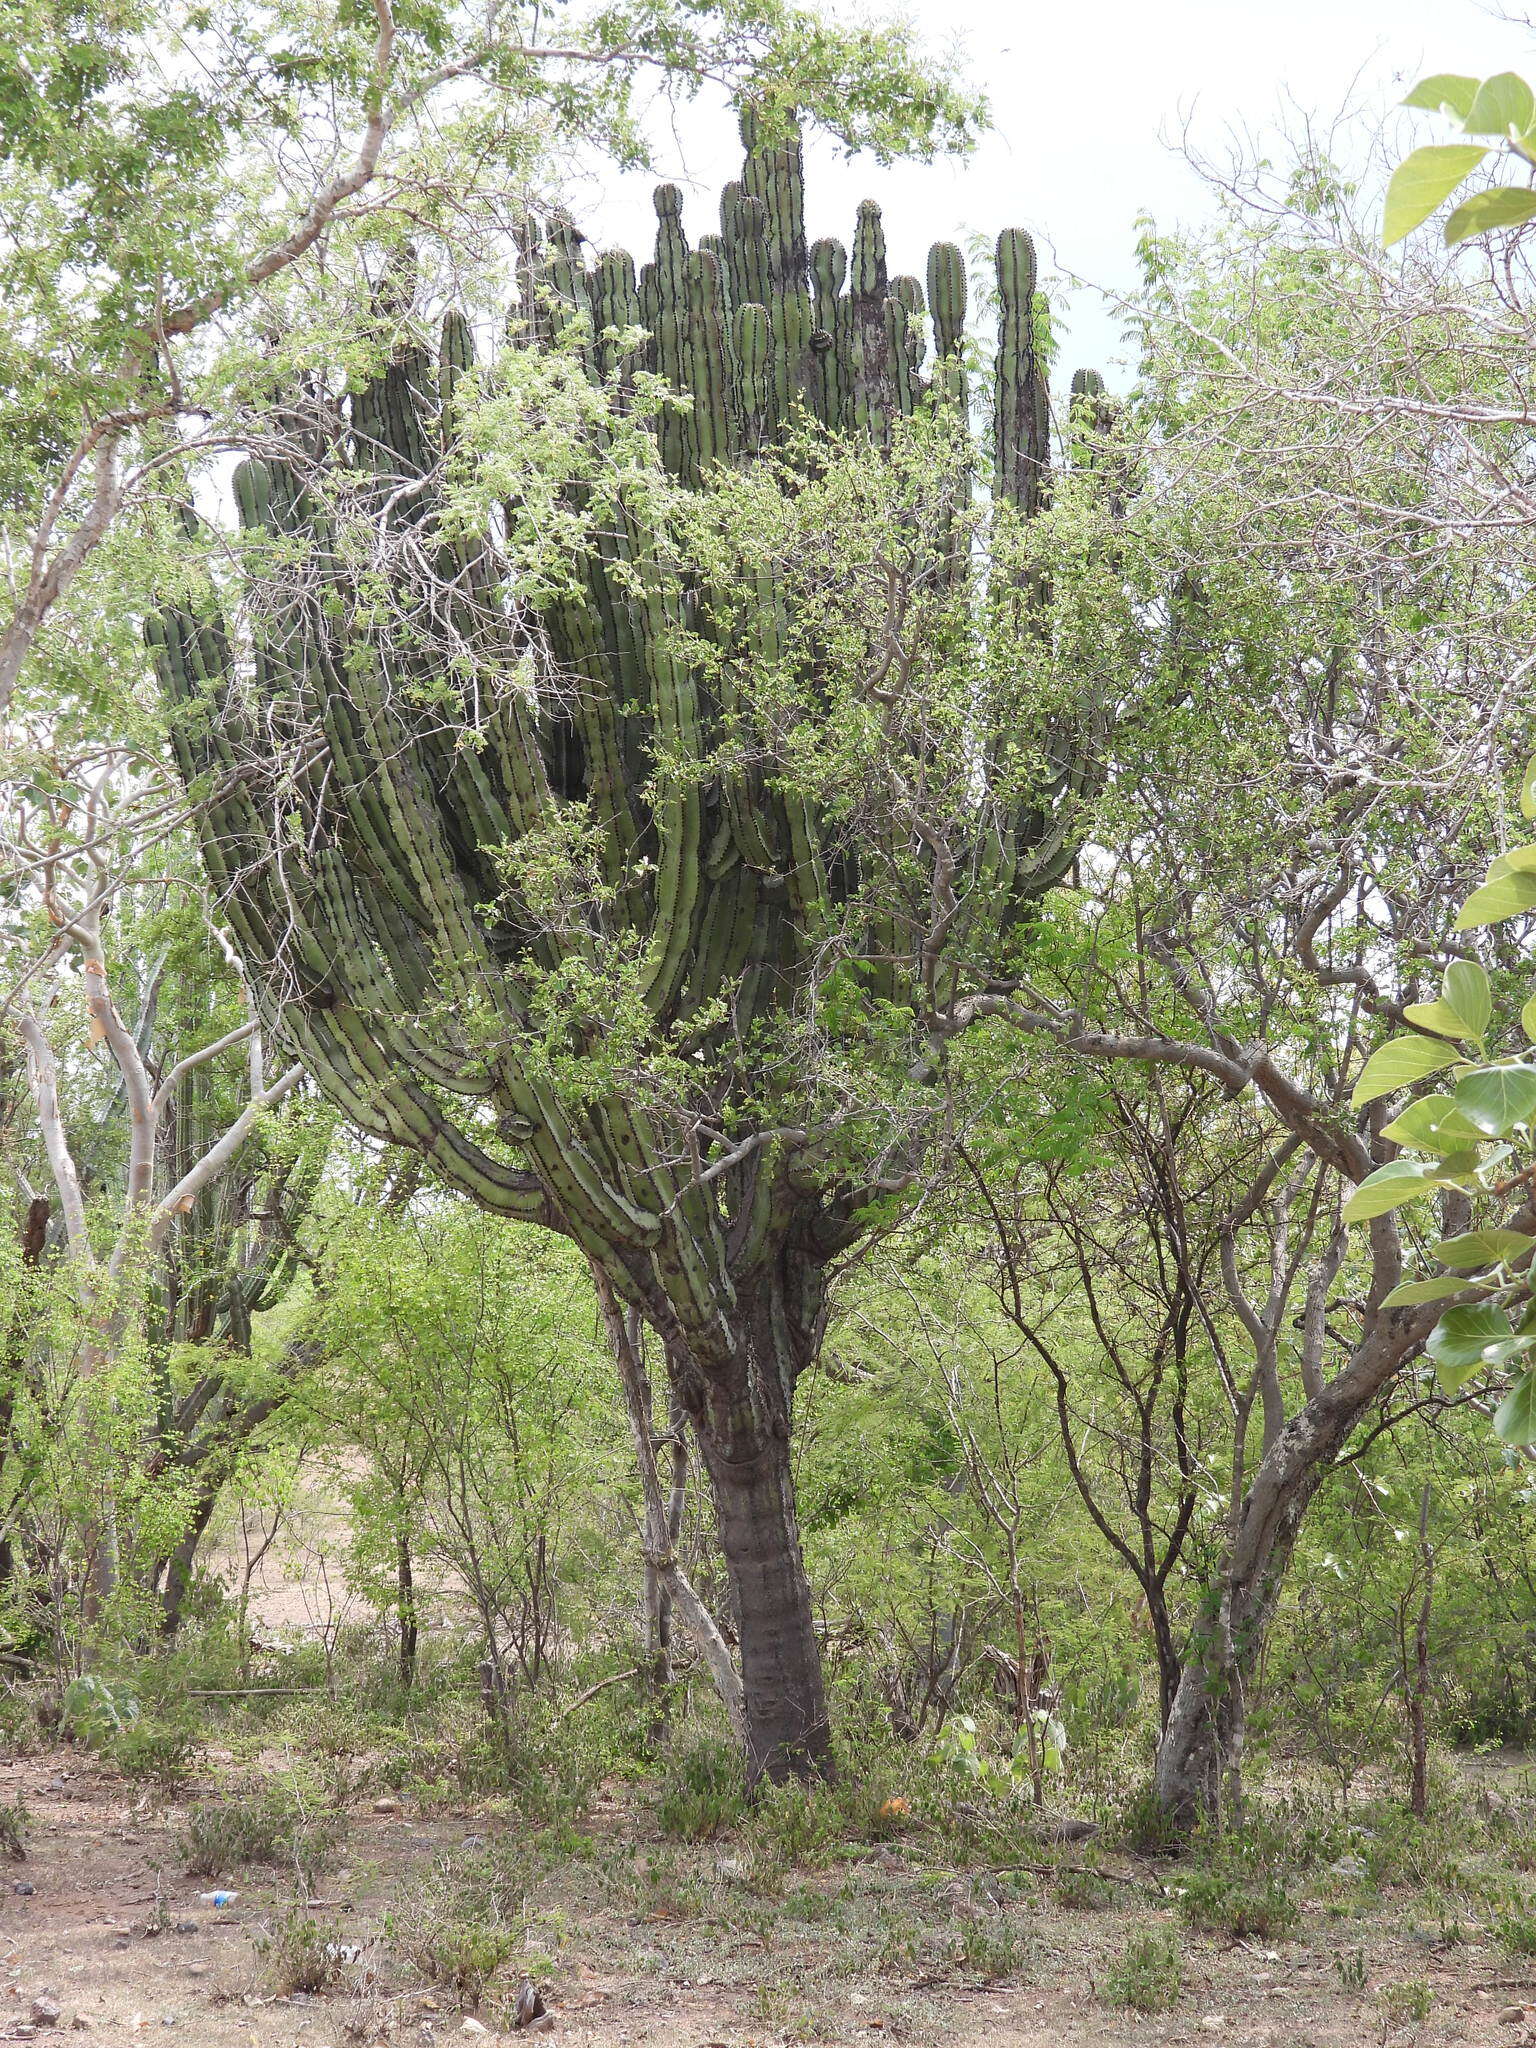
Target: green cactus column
373	817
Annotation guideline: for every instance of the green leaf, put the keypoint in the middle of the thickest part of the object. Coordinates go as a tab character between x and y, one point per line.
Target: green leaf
1528	789
1507	206
1465	990
1465	1340
1503	105
1508	896
1497	1098
1397	1063
1438	1017
1482	1247
1515	1417
1404	1180
1434	1124
1514	860
1444	90
1422	181
1411	1291
1528	1018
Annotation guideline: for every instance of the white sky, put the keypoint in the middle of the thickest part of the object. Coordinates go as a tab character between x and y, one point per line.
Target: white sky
1086	101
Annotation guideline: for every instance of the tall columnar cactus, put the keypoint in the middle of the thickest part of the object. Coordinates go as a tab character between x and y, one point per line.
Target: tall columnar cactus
368	885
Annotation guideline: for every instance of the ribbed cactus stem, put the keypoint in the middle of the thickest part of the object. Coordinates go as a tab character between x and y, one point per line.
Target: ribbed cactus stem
379	888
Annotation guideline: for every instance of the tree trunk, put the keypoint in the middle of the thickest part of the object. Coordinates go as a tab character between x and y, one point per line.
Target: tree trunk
176	1581
786	1712
1418	1680
405	1607
1198	1775
739	1400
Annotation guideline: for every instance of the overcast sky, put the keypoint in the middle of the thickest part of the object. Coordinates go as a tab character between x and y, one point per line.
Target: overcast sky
1086	102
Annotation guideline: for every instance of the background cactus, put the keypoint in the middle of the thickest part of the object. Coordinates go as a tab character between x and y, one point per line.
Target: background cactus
366	881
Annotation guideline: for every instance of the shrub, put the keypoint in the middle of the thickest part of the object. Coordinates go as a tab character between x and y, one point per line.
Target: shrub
1148	1974
457	1930
270	1827
160	1752
300	1955
1404	2004
1082	1891
1240	1905
703	1794
13	1832
96	1713
1516	1929
793	1823
1147	1825
991	1949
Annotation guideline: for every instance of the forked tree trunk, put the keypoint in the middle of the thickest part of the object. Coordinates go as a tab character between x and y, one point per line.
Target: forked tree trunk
1198	1776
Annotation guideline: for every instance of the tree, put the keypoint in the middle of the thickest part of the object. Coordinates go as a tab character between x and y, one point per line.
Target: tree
628	850
187	193
174	1224
1303	788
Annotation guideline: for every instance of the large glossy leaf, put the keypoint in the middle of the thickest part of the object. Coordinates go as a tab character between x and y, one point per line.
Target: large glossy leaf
1399	1062
1502	106
1528	790
1528	1018
1465	990
1467	1339
1513	860
1404	1180
1410	1292
1497	1098
1422	181
1444	91
1434	1124
1508	206
1515	1417
1508	896
1482	1247
1467	1342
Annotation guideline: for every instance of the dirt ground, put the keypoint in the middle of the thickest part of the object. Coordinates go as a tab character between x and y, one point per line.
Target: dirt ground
100	1923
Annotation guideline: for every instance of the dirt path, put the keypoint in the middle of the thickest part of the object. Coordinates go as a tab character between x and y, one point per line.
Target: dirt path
119	1941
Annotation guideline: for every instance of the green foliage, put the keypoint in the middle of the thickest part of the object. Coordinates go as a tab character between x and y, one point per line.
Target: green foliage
1408	2003
97	1711
158	1750
703	1793
298	1953
1503	108
1351	1969
1241	1903
13	1832
1082	1891
1148	1974
461	1925
221	1836
465	1361
1494	1102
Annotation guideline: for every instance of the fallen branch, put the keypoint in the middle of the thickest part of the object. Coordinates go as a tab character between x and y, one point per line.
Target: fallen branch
246	1692
1080	1870
602	1685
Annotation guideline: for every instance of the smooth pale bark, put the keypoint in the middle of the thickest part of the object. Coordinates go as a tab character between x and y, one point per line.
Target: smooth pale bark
658	1536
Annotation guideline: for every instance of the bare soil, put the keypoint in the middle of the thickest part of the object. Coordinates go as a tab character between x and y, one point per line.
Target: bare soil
118	1938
